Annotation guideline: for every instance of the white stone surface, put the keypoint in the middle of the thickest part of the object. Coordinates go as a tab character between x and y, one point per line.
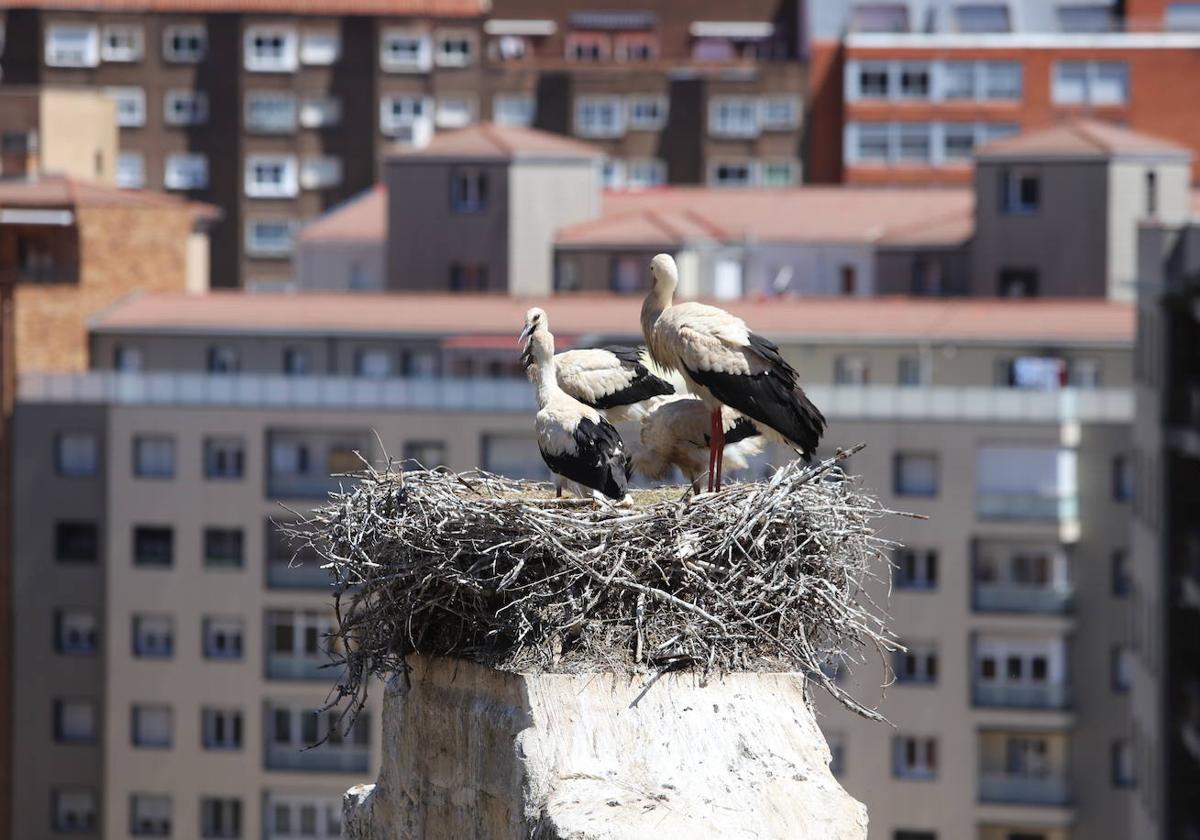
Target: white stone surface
474	753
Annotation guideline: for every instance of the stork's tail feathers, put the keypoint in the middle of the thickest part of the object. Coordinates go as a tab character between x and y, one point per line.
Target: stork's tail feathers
647	461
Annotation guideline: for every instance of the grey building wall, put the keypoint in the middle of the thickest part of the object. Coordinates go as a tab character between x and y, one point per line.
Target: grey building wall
543	197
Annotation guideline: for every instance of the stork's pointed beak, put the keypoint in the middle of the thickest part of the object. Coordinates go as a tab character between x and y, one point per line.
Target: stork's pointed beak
525	333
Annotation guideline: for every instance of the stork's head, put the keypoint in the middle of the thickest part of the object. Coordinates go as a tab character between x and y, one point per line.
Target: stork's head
535	321
536	333
664	276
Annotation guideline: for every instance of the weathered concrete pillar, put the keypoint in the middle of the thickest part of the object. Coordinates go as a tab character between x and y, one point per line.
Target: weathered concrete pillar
473	753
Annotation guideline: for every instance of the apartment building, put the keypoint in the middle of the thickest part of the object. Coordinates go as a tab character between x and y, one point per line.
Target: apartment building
902	92
176	652
58	131
271	111
1165	536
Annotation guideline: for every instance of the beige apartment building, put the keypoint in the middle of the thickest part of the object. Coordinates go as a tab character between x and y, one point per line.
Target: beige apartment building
176	654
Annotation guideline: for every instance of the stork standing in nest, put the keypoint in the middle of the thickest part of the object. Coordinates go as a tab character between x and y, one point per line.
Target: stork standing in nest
724	363
575	440
610	379
676	433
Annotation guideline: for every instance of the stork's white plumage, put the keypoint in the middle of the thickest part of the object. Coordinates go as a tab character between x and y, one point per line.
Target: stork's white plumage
676	433
724	363
611	379
575	440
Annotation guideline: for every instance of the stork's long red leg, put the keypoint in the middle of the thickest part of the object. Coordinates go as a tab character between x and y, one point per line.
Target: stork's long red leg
720	441
712	447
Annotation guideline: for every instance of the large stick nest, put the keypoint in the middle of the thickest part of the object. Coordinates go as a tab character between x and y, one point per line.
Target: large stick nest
766	576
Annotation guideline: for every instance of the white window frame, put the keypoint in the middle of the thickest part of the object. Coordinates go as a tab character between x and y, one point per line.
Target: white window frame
657	103
325	818
612	173
219	634
76	720
280	99
152	725
318	172
184	162
134	50
910	490
922	748
793	174
208	728
902	67
320	46
981	77
220	817
788	123
587	107
418	119
256	247
1089	73
506	106
74	810
288	185
421	62
77	454
645	173
130	104
716	165
197	112
149	815
444	37
86	53
285	61
915	130
154	456
1014	176
719	124
77	631
320	111
131	170
192	31
448	114
153	636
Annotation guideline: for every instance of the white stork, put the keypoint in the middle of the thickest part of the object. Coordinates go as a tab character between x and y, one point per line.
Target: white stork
575	440
676	433
611	379
723	363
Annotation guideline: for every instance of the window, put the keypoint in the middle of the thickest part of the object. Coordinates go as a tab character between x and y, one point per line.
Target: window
916	568
131	105
874	80
635	46
77	454
911	371
513	108
153	456
873	142
149	815
646	173
186	172
72	45
454	111
295	817
75	721
75	632
1020	190
426	453
296	361
468	277
917	664
74	810
914	81
1122	764
222	638
779	113
468	190
914	143
731	174
777	173
185	107
454	49
298	635
398	113
587	46
187	44
613	174
224	457
270	49
271	176
599	116
152	726
1027	482
915	474
647	113
1151	193
222	359
322	172
1090	82
76	542
320	46
958	79
879	17
1122	478
320	112
153	636
850	370
220	817
270	112
270	237
121	42
1182	17
1122	576
914	758
1001	80
405	50
982	17
221	729
153	546
1091	18
733	116
1120	669
223	547
1017	283
373	364
131	170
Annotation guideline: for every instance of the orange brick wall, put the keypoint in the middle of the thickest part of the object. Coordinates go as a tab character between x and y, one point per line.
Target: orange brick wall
1161	102
823	124
122	250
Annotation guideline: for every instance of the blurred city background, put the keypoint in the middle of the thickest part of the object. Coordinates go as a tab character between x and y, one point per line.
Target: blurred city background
238	238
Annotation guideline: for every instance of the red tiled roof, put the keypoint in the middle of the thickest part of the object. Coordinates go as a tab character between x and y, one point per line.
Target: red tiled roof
1081	138
500	142
405	8
362	218
808	319
674	215
65	191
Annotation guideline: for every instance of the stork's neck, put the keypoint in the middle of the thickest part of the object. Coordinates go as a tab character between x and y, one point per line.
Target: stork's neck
657	299
547	380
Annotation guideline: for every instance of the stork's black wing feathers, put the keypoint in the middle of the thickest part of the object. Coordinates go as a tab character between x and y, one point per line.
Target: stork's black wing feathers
643	386
773	397
599	460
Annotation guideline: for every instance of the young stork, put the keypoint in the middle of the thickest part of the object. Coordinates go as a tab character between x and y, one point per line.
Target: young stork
676	433
611	379
723	363
575	440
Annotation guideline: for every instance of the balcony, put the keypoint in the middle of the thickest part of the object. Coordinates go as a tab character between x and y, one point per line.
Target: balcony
1027	506
300	668
1015	598
1022	695
1014	789
320	760
305	575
